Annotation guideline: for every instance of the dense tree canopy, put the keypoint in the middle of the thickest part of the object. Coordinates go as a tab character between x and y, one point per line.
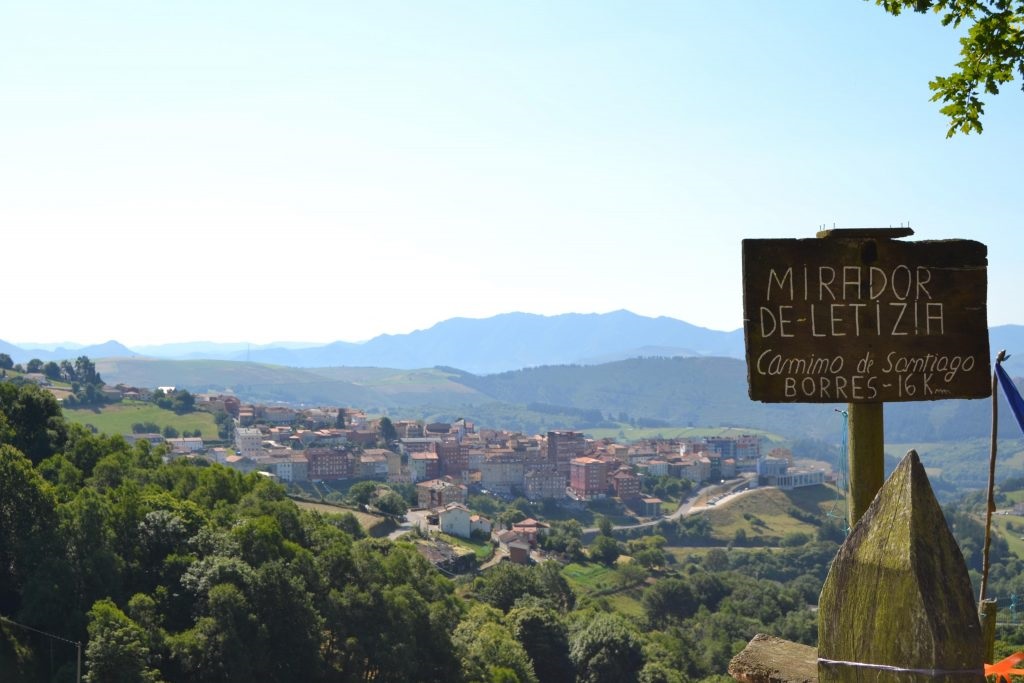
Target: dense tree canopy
34	417
606	649
186	572
545	638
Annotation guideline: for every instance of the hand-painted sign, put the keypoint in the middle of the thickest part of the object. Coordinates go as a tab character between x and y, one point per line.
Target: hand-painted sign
865	320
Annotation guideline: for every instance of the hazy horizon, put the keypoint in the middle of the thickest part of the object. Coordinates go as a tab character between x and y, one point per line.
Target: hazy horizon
242	343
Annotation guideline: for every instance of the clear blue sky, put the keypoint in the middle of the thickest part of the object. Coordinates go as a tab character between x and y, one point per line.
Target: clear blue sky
252	171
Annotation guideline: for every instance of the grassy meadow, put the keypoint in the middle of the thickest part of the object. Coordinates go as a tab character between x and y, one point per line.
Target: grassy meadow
589	577
118	418
768	513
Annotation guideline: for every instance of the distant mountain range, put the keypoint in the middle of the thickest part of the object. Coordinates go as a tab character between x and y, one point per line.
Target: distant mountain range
510	341
523	371
504	342
110	349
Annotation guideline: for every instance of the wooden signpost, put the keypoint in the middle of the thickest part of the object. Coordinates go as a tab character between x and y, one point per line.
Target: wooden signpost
865	319
857	316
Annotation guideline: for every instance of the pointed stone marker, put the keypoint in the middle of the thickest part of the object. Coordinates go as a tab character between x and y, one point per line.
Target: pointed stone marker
897	605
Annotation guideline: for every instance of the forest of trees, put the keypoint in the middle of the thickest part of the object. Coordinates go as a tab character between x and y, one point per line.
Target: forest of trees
190	571
194	572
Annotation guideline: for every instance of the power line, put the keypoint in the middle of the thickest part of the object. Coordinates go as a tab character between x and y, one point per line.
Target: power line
77	644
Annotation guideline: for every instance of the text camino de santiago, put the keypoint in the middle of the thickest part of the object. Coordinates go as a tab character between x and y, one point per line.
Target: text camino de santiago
857	302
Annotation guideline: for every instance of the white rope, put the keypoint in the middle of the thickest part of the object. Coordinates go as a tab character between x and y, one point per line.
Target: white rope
899	669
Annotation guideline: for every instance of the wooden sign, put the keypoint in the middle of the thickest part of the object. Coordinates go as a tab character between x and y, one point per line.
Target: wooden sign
865	320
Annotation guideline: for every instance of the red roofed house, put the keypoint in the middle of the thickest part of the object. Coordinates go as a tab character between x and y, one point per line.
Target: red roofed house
530	530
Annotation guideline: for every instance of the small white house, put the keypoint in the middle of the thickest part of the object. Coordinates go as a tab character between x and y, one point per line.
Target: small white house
454	519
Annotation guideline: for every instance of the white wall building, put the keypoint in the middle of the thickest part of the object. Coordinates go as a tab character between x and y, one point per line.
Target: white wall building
248	441
454	520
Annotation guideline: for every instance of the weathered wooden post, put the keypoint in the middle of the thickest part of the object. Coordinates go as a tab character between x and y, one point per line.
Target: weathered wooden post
987	612
858	316
866	457
898	603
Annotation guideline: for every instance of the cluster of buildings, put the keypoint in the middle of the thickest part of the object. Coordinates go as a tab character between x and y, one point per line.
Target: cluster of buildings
440	458
295	445
565	464
617	469
296	454
776	469
446	460
455	519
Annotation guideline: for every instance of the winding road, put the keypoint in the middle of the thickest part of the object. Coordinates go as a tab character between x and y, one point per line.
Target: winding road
724	492
728	490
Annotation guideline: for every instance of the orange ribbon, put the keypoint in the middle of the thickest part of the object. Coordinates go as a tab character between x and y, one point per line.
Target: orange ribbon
1003	669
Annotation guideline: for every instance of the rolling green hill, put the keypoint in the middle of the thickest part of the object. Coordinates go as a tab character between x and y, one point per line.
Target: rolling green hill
418	392
251	381
768	514
660	393
682	392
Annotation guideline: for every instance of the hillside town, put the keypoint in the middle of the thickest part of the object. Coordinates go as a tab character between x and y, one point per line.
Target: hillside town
445	460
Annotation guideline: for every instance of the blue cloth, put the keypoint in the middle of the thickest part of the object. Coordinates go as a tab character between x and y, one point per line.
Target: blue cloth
1012	395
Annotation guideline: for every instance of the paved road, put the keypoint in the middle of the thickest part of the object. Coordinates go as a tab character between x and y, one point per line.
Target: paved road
727	491
724	492
413	518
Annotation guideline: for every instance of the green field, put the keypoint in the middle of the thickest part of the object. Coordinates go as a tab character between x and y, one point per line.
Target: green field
118	418
589	577
1014	538
626	433
600	582
766	514
1005	518
628	602
265	383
